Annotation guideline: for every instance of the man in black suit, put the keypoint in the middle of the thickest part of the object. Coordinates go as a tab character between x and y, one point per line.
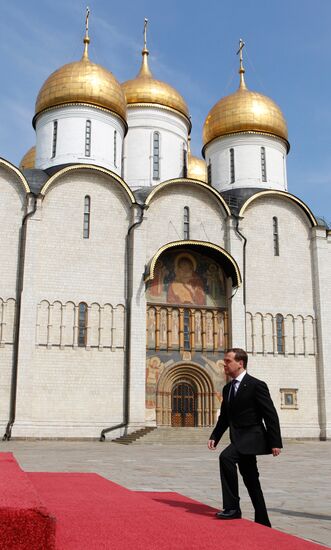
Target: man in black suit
247	409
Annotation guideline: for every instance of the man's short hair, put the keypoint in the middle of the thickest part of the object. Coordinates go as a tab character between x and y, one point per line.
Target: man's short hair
239	355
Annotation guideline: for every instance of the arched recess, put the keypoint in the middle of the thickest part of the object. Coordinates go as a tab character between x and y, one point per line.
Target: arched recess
113	178
283	195
206	400
216	252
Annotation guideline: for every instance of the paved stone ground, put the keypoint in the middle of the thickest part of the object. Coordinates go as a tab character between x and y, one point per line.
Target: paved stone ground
297	484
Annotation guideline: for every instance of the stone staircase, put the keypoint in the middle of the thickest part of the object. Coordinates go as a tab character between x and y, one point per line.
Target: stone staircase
133	437
168	436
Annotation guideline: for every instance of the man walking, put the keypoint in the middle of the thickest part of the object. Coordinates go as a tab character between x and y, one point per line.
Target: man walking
247	409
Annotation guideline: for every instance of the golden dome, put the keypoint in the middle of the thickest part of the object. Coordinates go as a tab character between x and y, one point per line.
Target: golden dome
146	89
196	168
244	111
28	161
82	82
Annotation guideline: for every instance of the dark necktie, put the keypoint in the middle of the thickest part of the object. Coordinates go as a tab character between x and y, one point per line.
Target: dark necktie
232	393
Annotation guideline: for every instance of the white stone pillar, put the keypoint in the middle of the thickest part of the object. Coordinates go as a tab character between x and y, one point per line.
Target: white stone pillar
236	306
321	256
137	351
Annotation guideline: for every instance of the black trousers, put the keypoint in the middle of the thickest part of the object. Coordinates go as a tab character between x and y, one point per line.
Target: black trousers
229	458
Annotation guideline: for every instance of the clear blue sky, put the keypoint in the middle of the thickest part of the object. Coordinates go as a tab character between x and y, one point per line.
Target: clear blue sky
193	47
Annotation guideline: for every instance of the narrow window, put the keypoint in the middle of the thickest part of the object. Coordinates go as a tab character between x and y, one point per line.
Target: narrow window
87	215
156	156
263	165
115	148
88	138
186	223
187	343
280	333
232	173
209	172
82	324
184	162
54	138
276	236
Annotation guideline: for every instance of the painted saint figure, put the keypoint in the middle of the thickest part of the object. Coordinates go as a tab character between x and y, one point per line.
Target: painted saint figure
188	286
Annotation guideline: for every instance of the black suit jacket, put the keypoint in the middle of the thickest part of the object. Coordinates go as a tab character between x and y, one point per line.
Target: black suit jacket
251	417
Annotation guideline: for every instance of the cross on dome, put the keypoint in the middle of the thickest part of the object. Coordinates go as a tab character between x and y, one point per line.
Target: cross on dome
241	66
86	37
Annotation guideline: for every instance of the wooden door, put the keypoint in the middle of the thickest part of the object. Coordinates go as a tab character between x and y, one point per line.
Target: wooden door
183	402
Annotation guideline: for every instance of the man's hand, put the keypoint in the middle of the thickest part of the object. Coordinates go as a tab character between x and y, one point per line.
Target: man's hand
275	451
211	445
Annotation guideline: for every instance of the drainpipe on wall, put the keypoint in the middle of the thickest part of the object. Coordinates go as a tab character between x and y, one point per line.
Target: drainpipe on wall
238	218
19	290
128	285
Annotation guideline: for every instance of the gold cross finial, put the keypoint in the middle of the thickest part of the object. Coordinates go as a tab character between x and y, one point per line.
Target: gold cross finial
145	33
144	69
241	66
86	38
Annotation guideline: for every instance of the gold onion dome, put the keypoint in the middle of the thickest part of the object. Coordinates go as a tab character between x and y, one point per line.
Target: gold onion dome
28	161
145	89
244	111
196	168
82	82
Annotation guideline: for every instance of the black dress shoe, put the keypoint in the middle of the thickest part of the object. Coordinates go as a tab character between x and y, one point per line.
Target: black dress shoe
228	514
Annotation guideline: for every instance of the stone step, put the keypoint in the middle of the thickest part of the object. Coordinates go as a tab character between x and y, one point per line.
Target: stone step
177	436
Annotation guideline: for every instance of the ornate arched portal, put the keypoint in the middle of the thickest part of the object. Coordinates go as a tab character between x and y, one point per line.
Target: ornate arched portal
189	285
186	396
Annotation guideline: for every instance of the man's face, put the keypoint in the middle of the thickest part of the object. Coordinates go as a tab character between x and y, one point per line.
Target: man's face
232	367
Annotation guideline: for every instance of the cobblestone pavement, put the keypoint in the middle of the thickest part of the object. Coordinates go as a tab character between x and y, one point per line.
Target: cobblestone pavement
296	485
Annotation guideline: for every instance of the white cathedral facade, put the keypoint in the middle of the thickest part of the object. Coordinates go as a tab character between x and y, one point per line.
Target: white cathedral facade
128	266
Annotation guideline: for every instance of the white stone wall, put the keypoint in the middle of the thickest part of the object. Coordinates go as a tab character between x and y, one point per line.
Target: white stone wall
282	285
295	373
66	390
70	142
12	211
278	284
247	162
138	145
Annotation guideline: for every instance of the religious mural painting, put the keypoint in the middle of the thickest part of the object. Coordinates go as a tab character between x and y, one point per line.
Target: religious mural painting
186	318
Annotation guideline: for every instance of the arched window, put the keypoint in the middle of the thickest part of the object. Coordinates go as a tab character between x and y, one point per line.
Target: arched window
156	156
115	147
263	165
184	162
82	324
88	138
232	172
54	138
276	236
209	172
280	333
186	223
87	214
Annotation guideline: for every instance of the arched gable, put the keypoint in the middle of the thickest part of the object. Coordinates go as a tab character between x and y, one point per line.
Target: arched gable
190	183
20	177
113	178
283	195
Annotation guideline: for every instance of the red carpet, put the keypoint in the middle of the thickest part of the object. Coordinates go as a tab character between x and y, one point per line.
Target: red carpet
25	524
95	514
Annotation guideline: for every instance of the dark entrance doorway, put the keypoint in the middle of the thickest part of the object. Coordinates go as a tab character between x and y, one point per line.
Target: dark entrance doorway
183	405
